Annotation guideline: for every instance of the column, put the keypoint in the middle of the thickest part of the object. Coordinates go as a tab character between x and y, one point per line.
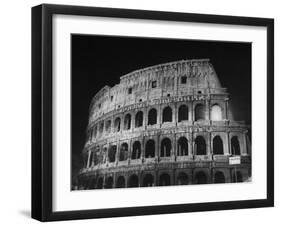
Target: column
244	144
88	161
226	145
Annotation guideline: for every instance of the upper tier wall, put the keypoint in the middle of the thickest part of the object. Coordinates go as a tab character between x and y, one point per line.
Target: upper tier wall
180	78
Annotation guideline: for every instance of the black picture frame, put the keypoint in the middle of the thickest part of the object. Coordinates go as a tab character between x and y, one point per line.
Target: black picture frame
42	111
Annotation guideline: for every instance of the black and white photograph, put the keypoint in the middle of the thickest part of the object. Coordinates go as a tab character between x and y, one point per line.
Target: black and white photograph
149	112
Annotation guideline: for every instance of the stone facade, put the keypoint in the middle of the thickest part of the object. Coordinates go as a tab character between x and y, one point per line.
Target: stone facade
167	124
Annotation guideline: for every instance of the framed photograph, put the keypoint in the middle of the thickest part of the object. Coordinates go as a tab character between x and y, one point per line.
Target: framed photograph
145	112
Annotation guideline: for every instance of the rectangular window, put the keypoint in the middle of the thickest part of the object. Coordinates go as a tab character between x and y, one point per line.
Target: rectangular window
111	98
153	84
183	80
130	90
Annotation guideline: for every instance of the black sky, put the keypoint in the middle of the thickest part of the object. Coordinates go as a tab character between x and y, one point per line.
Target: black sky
101	60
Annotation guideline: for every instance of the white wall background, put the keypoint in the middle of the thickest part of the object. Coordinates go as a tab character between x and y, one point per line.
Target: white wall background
15	114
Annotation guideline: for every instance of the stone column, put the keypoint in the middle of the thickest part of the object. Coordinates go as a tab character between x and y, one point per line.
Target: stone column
145	119
226	145
229	143
207	102
244	144
88	161
175	118
209	144
157	147
117	153
226	110
142	156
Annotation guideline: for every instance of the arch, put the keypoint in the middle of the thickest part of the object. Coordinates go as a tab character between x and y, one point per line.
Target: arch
152	116
136	150
200	112
139	119
117	123
95	158
183	113
133	181
95	131
120	183
92	184
164	179
148	180
127	122
216	113
109	182
167	114
200	146
108	126
217	146
182	179
235	146
123	155
112	153
166	147
101	125
100	183
200	178
150	149
182	146
237	176
219	177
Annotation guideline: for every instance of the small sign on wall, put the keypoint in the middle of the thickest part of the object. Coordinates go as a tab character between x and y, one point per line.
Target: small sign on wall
234	160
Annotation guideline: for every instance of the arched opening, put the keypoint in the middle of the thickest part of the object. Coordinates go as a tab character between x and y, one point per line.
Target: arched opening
117	124
112	153
152	116
216	113
108	126
183	113
200	178
237	176
127	122
95	131
103	155
217	146
219	177
101	128
200	146
167	114
200	112
139	119
235	147
100	183
133	181
123	155
166	147
92	184
95	158
150	149
182	147
136	150
120	183
148	180
109	182
182	179
164	179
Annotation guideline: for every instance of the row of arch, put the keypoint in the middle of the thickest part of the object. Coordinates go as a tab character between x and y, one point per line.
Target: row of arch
164	179
167	116
166	148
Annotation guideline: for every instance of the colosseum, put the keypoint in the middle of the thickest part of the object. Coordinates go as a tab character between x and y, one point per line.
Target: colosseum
168	124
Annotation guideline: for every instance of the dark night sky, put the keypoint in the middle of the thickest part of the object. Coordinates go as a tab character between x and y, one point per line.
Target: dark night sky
101	60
